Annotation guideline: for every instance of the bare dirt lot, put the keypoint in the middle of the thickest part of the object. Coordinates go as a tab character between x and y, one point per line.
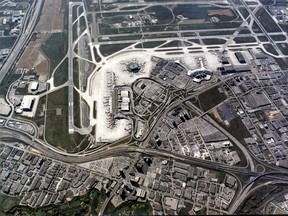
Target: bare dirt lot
33	58
194	21
52	17
224	12
50	21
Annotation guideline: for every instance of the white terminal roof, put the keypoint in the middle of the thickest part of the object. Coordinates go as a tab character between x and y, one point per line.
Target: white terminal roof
34	86
125	107
124	93
125	100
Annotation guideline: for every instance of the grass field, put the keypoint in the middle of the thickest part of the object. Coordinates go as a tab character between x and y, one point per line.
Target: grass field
278	37
76	72
211	98
283	47
61	73
82	25
89	204
56	130
122	38
216	33
7	203
55	49
270	48
162	13
263	38
266	21
107	50
8	80
244	40
244	12
97	57
77	120
7	42
129	208
74	12
39	118
214	41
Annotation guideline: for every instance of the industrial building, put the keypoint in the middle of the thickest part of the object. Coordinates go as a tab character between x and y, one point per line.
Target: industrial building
27	103
34	86
234	69
240	57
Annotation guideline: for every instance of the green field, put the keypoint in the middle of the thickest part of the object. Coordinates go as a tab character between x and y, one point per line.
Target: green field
76	72
61	73
56	130
8	80
7	203
55	48
107	50
77	120
129	208
7	42
88	204
210	98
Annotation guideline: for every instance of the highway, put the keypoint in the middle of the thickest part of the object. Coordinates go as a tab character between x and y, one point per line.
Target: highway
8	135
23	39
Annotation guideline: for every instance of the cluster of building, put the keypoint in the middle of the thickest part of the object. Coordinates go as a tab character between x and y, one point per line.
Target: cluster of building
182	133
284	202
11	20
168	186
10	24
261	103
176	74
132	20
248	61
279	10
149	96
170	73
41	181
3	54
23	92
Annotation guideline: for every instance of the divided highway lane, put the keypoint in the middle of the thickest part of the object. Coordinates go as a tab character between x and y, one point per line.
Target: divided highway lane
23	38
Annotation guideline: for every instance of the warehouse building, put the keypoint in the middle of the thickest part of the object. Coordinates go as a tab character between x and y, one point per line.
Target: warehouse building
34	86
240	57
27	104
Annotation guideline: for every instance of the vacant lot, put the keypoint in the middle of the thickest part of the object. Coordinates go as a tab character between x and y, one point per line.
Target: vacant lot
52	17
224	12
210	98
33	58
